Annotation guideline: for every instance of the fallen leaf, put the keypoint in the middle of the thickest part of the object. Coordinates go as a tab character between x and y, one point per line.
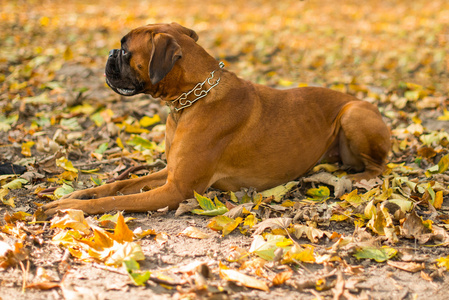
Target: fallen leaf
245	280
194	232
133	269
186	206
272	223
313	234
226	224
281	278
43	285
411	267
278	192
443	262
70	218
209	207
341	185
161	238
378	254
320	194
121	232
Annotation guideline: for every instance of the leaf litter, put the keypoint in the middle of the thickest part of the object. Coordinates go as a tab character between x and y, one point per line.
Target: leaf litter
316	237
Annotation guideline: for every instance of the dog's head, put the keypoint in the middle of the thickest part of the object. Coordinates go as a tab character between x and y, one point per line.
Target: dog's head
146	56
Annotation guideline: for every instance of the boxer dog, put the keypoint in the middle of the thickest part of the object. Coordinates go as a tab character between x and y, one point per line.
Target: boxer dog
227	132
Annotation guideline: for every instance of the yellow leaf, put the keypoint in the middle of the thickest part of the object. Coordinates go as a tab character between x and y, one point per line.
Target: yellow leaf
445	116
119	143
328	167
443	262
224	223
44	21
353	198
284	82
300	254
66	164
68	54
26	148
250	221
135	129
138	233
121	232
338	218
71	218
288	203
148	121
438	200
229	227
318	194
10	201
68	175
278	192
102	239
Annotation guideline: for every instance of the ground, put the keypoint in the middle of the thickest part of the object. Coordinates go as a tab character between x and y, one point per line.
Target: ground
383	239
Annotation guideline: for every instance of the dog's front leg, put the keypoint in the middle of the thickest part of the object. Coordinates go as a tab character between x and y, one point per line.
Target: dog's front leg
166	195
123	187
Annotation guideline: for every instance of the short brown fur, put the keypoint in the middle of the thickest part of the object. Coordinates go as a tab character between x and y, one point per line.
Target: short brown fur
240	135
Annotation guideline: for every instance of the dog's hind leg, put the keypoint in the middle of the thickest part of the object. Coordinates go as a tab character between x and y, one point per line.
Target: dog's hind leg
364	140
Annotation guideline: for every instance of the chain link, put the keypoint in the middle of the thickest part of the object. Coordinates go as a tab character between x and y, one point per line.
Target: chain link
197	91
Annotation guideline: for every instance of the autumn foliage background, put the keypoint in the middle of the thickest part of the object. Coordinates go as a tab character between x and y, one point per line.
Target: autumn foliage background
59	119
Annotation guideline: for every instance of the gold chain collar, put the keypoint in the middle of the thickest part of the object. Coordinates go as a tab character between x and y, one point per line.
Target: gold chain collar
197	91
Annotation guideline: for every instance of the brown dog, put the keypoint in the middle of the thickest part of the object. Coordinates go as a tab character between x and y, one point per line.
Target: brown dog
226	132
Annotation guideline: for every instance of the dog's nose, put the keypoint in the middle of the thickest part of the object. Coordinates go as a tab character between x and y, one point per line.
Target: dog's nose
113	52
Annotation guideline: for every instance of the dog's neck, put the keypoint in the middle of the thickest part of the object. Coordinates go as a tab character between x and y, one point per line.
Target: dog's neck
200	90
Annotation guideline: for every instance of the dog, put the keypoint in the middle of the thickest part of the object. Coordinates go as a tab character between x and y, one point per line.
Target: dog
226	132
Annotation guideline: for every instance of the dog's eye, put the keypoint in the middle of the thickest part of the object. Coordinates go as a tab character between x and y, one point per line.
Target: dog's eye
124	52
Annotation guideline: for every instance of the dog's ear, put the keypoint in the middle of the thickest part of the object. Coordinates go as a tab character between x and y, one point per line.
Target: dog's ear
186	31
164	54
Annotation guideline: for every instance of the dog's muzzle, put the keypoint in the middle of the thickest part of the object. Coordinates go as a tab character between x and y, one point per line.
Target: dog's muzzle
115	77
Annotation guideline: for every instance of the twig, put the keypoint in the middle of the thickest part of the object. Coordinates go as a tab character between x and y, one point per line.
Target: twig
124	175
25	274
316	294
105	161
110	269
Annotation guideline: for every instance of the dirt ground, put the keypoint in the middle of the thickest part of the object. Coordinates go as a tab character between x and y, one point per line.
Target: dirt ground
346	48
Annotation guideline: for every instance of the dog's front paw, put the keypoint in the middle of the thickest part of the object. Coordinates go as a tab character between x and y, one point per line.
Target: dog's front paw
51	208
81	195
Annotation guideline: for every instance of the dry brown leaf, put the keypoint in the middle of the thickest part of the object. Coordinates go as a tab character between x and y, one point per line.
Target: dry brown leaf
194	232
341	185
426	276
11	253
248	281
281	278
187	206
161	238
406	266
413	227
272	223
43	285
238	210
313	234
